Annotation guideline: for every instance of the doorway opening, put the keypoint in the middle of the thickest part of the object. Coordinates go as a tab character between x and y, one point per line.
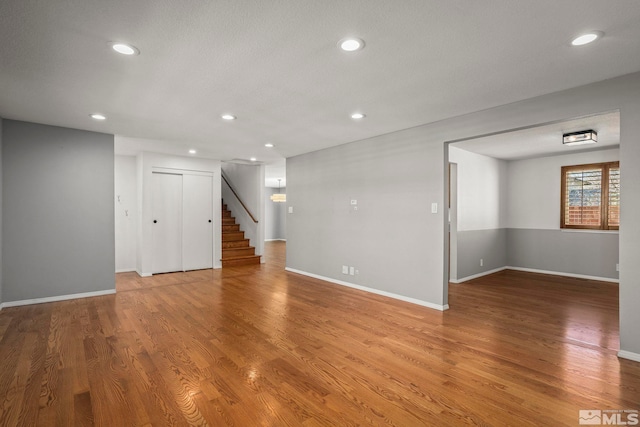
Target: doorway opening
506	208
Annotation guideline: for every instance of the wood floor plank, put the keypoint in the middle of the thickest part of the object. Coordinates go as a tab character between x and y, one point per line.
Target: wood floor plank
83	414
259	346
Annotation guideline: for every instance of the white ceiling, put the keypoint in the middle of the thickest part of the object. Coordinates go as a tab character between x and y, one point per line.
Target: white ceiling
546	140
276	66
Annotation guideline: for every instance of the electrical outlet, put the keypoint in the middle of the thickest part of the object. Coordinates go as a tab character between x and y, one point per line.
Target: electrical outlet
481	262
617	267
345	269
352	271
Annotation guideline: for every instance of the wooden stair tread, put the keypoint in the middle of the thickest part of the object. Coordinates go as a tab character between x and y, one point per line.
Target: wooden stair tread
240	261
236	249
240	257
232	244
238	252
233	236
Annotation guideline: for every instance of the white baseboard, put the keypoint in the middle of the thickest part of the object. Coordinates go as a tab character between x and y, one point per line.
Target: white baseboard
275	240
560	273
629	355
125	270
475	276
372	290
534	270
58	298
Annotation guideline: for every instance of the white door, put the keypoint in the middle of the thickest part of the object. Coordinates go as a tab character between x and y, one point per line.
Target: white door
197	248
167	222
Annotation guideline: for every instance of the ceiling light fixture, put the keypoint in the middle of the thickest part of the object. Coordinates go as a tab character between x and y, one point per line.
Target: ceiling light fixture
351	44
587	38
228	117
125	49
192	151
269	145
358	116
580	138
278	197
98	116
253	159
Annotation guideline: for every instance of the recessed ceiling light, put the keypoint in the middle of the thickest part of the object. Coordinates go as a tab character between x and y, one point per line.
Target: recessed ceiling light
253	159
351	44
269	145
587	38
125	49
192	151
98	116
358	116
228	117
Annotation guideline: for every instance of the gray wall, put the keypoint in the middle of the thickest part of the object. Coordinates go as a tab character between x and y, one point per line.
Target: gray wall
58	211
581	253
387	239
274	216
481	214
396	242
1	297
490	246
515	210
555	251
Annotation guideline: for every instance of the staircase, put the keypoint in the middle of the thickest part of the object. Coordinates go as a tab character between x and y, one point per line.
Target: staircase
235	248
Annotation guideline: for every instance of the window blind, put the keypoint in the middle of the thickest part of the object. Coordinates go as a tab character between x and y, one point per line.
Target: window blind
591	196
583	198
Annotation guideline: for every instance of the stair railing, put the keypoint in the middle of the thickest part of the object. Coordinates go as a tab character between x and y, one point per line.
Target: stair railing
253	218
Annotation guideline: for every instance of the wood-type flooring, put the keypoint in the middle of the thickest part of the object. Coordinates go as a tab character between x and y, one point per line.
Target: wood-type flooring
259	346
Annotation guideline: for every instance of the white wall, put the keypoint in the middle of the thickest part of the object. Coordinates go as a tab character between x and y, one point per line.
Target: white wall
146	163
480	238
126	213
410	261
482	189
534	187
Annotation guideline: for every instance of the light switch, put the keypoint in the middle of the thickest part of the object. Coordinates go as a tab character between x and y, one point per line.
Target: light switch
290	209
434	208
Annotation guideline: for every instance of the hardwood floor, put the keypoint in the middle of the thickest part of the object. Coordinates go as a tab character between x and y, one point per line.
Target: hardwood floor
258	346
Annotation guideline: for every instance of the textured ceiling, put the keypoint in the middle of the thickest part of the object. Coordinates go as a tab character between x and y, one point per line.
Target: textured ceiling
546	140
276	66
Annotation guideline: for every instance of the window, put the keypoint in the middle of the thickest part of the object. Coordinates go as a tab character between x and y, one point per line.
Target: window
591	196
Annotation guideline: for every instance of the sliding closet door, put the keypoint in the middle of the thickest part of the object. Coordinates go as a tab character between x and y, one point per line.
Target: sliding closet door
197	240
167	222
